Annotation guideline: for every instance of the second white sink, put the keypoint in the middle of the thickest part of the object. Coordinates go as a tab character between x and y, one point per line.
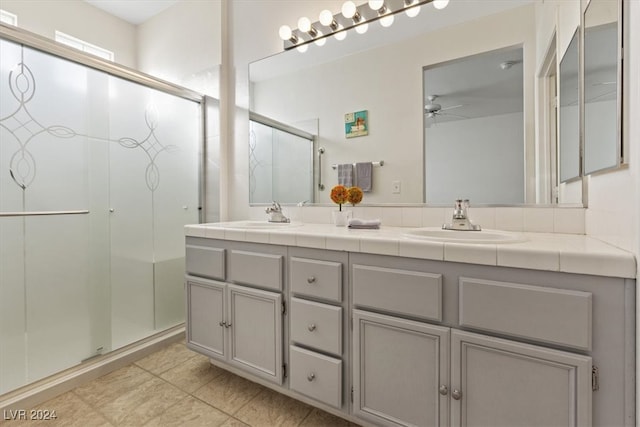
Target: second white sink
437	234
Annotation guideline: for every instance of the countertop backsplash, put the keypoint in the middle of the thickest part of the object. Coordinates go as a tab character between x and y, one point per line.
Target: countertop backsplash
527	219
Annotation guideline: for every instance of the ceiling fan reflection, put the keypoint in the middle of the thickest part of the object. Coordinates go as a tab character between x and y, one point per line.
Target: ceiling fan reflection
433	109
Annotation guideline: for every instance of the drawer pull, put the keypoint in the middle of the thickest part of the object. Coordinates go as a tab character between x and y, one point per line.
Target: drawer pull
456	394
311	377
311	327
444	390
311	280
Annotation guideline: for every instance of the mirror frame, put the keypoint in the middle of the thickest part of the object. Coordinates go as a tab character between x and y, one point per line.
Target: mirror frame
576	37
619	143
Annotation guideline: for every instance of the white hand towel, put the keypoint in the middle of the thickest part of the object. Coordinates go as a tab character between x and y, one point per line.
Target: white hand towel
364	223
345	174
363	176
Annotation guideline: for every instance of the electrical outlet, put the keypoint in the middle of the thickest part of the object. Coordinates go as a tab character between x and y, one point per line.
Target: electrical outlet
396	187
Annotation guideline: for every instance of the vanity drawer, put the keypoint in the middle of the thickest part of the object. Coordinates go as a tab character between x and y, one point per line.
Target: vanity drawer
556	316
316	375
255	268
411	293
316	278
316	325
205	261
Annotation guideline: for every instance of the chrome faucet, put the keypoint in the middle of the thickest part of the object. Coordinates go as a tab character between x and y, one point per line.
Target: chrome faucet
275	213
460	219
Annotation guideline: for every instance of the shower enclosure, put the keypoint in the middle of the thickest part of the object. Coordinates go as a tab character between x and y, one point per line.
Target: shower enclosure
98	175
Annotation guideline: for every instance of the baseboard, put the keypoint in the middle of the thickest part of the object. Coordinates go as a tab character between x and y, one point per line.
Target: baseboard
45	389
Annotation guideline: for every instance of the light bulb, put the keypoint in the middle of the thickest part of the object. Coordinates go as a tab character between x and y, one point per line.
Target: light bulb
412	12
440	4
326	18
376	4
362	28
349	9
304	24
285	32
303	48
386	20
341	35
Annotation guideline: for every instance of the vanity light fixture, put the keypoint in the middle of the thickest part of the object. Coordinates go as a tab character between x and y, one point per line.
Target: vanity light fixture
386	18
326	18
350	16
350	11
304	24
411	8
286	34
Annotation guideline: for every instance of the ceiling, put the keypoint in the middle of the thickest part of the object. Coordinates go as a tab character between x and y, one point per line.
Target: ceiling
134	11
479	85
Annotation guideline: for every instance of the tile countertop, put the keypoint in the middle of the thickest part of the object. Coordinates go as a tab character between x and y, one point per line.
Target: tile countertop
568	253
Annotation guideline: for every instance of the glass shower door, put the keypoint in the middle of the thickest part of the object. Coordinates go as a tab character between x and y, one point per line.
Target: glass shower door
98	176
46	279
154	192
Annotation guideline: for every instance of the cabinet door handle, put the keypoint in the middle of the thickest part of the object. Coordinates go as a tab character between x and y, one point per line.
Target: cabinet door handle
444	390
228	325
311	280
311	327
311	377
223	323
456	394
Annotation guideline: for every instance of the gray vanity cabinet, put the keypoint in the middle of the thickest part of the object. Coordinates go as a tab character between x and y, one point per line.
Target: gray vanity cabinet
497	382
396	341
413	365
399	366
241	323
318	350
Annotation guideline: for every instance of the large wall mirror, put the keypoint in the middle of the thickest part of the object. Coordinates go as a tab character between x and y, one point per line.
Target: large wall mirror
602	76
381	72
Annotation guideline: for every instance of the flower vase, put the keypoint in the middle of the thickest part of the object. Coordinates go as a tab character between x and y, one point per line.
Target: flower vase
341	218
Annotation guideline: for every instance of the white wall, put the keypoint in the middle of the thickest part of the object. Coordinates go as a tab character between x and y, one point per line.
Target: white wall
78	19
182	44
471	145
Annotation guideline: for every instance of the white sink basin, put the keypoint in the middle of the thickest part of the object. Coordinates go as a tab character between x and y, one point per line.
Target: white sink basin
253	225
437	234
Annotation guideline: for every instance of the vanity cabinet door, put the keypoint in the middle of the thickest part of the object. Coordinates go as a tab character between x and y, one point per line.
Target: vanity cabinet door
205	316
399	367
255	331
496	382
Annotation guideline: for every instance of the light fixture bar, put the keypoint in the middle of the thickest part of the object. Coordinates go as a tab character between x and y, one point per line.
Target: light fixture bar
338	23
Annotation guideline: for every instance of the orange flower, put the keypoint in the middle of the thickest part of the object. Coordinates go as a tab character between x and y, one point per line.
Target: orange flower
354	195
339	195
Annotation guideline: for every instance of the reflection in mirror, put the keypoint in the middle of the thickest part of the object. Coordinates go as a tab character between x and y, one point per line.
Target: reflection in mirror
382	72
280	162
475	121
569	114
601	76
